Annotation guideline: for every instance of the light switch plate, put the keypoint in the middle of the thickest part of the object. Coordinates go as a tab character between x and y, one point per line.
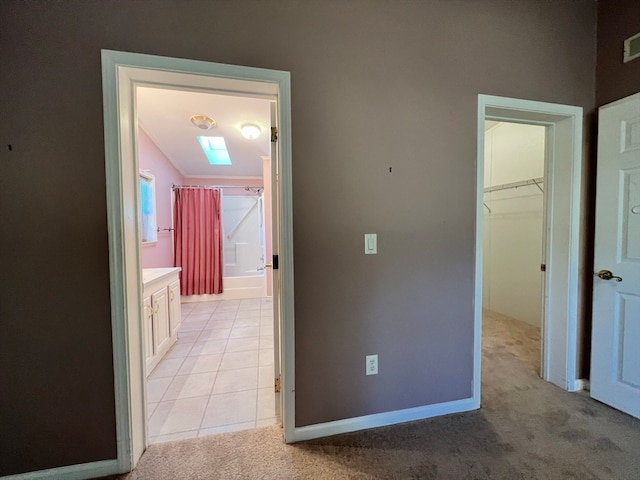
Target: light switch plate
370	243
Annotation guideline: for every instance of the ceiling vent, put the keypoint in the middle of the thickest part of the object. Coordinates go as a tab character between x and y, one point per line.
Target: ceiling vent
203	122
632	48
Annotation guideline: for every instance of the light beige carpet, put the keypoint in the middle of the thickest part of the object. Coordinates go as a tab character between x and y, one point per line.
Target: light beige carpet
526	429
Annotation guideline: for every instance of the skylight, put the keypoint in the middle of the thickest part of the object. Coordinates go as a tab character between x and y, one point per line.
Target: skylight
215	149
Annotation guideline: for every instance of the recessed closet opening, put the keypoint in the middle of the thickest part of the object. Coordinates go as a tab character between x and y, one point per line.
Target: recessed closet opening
513	240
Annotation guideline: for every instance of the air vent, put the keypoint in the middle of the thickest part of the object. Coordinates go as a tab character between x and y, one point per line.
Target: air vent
632	48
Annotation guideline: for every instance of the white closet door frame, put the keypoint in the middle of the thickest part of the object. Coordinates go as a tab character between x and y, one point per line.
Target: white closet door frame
563	178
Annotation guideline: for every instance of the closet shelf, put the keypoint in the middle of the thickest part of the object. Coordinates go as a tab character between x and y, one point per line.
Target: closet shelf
523	183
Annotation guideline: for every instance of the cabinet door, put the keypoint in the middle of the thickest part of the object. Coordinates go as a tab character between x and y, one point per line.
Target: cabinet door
147	330
161	333
175	311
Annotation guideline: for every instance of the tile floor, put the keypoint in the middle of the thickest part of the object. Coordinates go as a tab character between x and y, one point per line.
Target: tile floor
218	377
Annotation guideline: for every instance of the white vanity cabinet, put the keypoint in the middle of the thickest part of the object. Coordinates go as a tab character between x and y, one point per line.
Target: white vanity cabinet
175	313
162	315
147	330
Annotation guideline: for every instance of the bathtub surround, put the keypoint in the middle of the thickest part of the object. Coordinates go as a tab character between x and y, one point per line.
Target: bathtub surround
235	288
243	234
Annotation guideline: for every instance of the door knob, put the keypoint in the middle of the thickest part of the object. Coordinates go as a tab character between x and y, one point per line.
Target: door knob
607	275
266	265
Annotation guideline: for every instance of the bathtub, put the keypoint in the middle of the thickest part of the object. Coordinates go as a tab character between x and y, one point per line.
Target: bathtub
249	286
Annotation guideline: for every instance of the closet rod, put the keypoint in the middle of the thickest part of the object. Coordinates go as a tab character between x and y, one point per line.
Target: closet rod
523	183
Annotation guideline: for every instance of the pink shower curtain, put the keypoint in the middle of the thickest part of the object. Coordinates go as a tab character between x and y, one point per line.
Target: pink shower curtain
198	240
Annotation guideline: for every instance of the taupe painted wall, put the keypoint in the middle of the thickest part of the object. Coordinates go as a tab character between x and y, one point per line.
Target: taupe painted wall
376	84
617	21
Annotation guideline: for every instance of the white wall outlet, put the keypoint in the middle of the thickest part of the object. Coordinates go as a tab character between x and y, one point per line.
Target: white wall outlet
371	365
370	243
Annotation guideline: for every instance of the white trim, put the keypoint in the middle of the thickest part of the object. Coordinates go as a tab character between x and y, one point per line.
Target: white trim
72	472
477	299
383	419
581	384
564	175
121	73
117	277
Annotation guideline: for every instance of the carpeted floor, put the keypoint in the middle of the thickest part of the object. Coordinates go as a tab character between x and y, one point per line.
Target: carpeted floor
526	429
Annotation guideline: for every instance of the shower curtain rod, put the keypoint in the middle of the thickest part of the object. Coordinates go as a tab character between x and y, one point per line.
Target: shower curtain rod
246	187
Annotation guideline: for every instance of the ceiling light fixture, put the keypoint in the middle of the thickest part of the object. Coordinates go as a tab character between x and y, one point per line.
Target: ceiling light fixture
203	122
250	131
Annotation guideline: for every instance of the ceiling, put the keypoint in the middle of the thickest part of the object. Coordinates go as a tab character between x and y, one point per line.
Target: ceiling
165	114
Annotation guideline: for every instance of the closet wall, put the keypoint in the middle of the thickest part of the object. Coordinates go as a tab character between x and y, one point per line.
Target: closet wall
513	221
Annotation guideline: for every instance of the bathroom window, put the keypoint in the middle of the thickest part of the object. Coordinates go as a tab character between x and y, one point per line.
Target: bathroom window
148	226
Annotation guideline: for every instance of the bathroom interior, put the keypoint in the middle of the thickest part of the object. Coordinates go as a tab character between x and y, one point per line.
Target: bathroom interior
208	322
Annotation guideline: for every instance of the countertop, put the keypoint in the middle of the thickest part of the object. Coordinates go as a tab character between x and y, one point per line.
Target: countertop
152	274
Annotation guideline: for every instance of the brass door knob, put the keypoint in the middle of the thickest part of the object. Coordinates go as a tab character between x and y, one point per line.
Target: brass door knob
607	275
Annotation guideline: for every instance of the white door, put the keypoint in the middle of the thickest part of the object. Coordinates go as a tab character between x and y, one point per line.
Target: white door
615	355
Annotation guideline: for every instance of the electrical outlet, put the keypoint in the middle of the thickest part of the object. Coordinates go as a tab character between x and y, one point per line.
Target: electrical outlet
371	367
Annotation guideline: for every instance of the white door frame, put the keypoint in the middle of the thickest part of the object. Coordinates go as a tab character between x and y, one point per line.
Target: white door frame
563	177
121	73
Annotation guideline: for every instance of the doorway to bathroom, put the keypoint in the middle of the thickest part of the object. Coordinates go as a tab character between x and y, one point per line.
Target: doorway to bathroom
123	74
219	375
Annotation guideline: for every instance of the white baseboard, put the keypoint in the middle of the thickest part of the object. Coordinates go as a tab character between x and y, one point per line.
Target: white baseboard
72	472
581	384
382	419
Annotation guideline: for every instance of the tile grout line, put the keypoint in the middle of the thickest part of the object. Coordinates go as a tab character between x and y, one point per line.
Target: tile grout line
176	374
200	427
234	324
206	407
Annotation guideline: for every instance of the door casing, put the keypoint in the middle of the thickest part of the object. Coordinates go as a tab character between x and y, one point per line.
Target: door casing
121	73
561	245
